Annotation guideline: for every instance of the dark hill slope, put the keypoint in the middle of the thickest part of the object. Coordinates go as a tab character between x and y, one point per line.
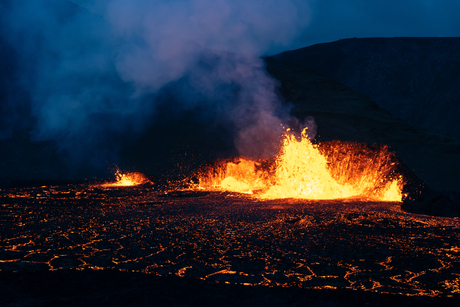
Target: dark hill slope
416	79
342	113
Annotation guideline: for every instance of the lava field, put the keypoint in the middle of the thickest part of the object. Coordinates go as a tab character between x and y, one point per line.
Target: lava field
229	239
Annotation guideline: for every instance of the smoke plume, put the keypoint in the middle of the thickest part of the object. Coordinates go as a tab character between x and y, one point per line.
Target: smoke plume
92	72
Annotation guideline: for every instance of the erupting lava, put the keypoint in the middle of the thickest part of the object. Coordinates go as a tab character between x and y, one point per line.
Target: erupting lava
303	170
127	180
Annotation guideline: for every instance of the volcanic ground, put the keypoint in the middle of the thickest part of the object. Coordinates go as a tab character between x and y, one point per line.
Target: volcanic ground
88	245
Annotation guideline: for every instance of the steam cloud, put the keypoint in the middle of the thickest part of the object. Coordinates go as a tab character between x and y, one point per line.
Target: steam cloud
92	77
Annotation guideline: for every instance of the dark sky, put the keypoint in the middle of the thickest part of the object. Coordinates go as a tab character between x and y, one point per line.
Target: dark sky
336	19
331	20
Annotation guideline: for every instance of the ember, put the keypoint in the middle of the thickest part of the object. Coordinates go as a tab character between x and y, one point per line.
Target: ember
126	180
305	170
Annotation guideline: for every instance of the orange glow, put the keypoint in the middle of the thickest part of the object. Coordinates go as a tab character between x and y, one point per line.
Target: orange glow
127	180
304	170
240	175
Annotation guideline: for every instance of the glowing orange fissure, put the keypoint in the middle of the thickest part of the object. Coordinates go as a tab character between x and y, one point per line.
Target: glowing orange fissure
127	180
301	170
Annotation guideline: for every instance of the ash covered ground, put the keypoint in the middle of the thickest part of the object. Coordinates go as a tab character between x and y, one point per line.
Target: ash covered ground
138	246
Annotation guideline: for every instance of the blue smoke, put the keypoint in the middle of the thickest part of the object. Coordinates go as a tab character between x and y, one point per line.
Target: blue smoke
89	76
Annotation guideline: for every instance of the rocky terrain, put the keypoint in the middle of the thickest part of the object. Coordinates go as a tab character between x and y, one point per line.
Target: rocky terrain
86	245
416	79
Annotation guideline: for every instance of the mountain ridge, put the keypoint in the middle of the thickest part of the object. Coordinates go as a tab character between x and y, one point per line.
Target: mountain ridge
417	79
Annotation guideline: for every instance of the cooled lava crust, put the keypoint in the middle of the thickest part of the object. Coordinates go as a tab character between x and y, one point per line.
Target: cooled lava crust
85	243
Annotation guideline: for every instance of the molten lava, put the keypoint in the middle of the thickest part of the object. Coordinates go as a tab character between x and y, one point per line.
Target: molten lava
304	170
127	180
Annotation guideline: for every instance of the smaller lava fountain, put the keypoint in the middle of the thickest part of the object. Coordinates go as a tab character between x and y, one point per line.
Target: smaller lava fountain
127	180
331	170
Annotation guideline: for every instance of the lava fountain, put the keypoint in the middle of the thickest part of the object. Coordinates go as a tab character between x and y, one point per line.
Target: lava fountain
127	180
332	170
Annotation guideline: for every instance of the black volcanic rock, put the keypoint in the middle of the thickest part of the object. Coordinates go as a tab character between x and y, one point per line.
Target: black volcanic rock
433	203
22	160
416	79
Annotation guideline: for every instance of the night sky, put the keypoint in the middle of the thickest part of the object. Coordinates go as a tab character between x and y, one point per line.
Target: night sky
338	19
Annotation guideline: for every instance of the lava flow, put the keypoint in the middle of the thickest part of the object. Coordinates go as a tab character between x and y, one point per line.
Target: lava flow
331	170
127	180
